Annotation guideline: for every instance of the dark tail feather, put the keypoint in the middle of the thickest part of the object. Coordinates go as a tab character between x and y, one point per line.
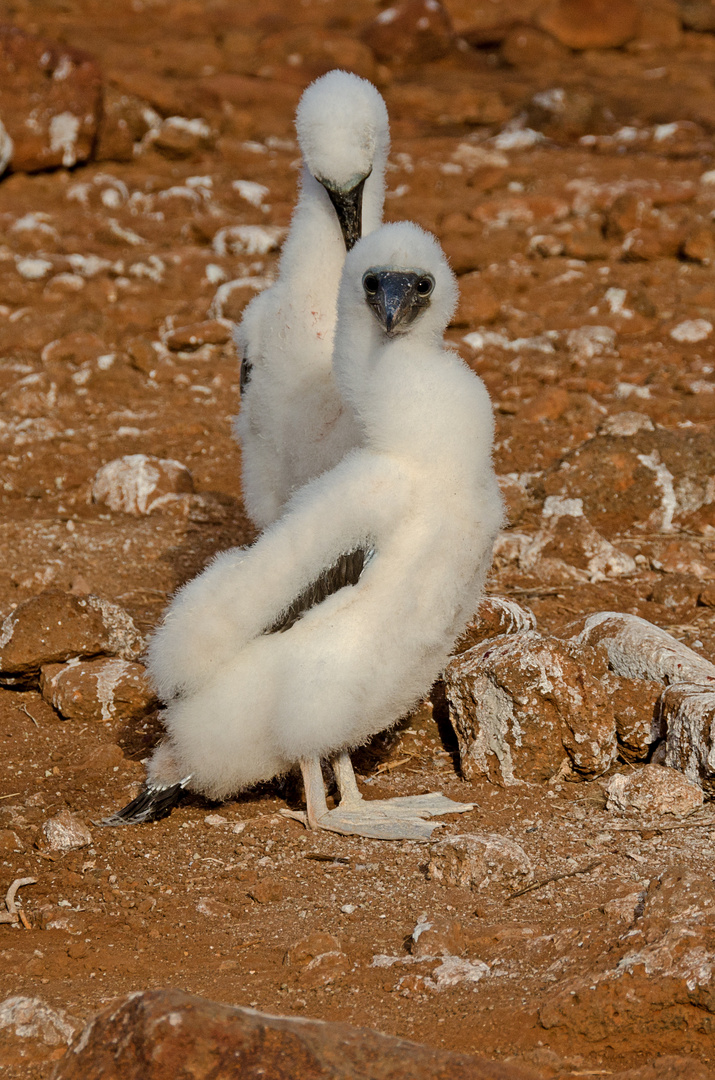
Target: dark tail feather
151	804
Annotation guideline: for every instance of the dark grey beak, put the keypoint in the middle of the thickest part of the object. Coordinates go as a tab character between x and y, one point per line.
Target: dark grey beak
347	203
397	296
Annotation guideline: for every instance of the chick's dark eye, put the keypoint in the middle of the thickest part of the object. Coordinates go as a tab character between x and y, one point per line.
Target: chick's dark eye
424	286
370	284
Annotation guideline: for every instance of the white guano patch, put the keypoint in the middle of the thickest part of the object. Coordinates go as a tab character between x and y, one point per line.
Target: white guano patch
518	139
480	339
664	480
692	331
253	193
33	269
108	676
248	239
64	129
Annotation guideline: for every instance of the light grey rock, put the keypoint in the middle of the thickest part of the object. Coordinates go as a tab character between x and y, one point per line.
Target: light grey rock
141	483
654	790
478	860
33	1019
66	832
638	649
688	713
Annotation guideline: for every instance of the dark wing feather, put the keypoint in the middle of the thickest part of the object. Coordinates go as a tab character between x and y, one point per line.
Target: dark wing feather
245	374
346	571
151	804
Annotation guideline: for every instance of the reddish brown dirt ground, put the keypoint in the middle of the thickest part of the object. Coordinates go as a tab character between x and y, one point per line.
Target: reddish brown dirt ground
132	898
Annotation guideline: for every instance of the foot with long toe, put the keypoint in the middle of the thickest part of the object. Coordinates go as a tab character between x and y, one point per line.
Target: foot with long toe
406	817
403	818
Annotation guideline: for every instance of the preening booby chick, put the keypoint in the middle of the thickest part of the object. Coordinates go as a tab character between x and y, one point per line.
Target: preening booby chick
343	613
293	424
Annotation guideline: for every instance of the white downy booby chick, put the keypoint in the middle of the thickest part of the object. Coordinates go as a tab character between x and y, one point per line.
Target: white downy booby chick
293	424
339	618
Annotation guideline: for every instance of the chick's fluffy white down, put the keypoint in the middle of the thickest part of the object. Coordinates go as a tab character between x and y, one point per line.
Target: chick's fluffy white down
293	424
246	705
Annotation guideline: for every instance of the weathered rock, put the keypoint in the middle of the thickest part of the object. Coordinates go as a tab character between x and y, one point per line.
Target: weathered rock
636	708
518	704
451	971
706	596
306	950
412	32
478	861
639	650
74	349
56	626
160	1034
651	479
123	125
208	905
591	24
699	245
563	112
527	48
439	936
654	790
482	22
568	548
32	1031
98	690
9	841
70	922
697	14
141	483
550	404
180	137
680	895
301	53
688	716
678	557
267	892
679	592
35	395
495	616
626	423
50	101
661	973
623	908
188	338
587	342
66	832
104	758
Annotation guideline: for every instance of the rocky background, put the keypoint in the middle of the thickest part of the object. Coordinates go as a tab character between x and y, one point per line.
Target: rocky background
564	153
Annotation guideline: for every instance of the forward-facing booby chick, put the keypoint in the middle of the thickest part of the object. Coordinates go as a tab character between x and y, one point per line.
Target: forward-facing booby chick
416	509
293	424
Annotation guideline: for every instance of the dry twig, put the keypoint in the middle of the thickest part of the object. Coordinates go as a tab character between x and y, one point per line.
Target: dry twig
23	708
388	766
665	828
556	877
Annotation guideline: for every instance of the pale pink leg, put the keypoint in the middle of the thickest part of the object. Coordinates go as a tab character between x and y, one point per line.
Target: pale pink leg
315	804
345	778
